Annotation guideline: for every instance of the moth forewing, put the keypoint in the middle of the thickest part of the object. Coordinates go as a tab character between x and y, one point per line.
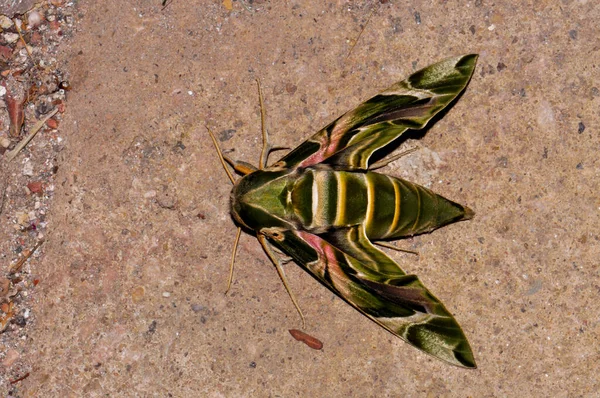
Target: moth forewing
322	206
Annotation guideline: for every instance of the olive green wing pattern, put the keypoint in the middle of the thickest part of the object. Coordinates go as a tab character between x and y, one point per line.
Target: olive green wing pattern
349	141
346	262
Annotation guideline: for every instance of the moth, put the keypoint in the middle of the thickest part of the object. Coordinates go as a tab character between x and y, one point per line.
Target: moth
324	206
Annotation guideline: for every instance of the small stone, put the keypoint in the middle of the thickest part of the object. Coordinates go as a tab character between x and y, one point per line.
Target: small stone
4	142
5	22
4	286
35	187
581	127
54	25
138	294
573	34
166	294
197	307
34	19
52	123
290	88
2	88
22	218
10	37
226	135
28	169
417	16
11	357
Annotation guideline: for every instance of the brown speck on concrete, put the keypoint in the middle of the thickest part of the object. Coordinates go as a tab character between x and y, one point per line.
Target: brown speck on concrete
417	16
226	135
573	34
290	88
10	358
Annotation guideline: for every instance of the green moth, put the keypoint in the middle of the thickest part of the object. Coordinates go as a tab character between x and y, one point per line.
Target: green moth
324	206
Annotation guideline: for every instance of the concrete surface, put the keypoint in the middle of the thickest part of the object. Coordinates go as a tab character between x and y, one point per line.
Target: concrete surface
131	301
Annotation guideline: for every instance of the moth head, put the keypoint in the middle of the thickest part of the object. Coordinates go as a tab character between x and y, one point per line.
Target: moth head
275	233
259	199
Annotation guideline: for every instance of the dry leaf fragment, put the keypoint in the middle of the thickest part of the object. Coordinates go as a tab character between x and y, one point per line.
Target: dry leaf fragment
4	320
15	99
228	4
4	286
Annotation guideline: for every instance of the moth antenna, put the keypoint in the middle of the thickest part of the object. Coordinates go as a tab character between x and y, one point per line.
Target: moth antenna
214	140
390	246
235	245
264	153
263	242
384	162
375	8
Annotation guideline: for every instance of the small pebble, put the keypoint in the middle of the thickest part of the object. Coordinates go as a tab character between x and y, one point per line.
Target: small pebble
11	357
166	294
197	307
10	37
28	169
138	294
34	19
5	22
4	142
35	187
52	123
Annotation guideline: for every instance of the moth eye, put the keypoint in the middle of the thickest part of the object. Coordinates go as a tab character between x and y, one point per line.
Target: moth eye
273	235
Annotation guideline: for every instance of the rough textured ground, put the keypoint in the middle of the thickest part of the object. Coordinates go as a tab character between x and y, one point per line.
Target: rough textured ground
131	301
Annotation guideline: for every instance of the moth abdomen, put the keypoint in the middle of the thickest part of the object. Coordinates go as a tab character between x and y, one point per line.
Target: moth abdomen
416	210
388	207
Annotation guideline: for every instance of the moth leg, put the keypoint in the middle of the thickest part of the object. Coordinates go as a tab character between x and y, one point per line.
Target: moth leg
235	245
277	263
390	246
385	161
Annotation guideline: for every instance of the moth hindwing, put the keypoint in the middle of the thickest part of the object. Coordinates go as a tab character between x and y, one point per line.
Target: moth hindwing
321	205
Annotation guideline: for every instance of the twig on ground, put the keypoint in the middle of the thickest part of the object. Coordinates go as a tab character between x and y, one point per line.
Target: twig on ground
11	155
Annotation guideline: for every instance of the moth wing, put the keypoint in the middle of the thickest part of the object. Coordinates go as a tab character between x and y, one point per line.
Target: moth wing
348	264
350	140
